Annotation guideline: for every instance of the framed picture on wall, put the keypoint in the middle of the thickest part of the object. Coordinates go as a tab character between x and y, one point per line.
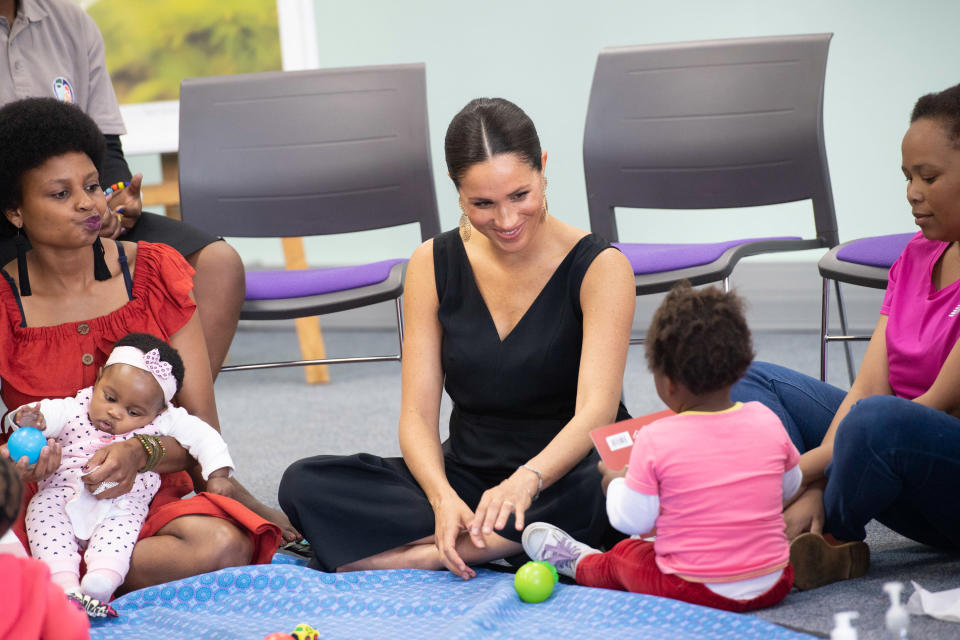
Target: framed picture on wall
152	46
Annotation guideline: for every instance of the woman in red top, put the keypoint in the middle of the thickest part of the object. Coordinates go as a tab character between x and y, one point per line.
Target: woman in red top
62	306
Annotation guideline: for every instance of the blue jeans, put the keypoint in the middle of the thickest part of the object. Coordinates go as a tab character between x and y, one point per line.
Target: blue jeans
893	459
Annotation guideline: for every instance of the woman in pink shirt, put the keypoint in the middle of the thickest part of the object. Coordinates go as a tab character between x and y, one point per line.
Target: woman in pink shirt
712	479
890	447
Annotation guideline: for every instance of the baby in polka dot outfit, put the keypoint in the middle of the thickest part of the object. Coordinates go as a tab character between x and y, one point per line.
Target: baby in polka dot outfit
131	396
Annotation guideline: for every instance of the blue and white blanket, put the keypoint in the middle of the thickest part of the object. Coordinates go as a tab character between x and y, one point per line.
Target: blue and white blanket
252	602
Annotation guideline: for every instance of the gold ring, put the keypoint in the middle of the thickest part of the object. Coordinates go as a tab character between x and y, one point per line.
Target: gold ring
120	218
509	503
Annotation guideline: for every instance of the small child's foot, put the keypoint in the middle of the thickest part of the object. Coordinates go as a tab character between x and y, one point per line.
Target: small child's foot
92	607
817	562
100	584
544	541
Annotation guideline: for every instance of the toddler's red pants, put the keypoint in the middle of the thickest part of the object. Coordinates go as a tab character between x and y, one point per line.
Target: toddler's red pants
631	566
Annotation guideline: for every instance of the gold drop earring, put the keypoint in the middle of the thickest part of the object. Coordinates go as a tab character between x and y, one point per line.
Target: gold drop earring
465	227
545	205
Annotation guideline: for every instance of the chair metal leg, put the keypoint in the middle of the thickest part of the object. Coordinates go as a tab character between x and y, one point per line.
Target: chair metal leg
825	336
843	327
322	360
307	363
399	307
824	326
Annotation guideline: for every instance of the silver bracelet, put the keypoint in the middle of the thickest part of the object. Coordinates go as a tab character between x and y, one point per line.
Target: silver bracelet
539	480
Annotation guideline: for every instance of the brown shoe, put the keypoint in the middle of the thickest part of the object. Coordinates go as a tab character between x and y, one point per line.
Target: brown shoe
816	562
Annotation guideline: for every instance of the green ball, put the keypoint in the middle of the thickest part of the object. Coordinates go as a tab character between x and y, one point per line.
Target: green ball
534	582
553	569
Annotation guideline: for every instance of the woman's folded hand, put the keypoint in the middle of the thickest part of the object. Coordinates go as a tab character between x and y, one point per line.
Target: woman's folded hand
115	463
452	516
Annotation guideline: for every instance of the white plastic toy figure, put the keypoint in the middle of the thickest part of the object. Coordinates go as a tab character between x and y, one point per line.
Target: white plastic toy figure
898	619
842	629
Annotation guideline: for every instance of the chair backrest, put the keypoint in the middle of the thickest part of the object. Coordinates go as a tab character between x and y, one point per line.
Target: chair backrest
706	125
303	153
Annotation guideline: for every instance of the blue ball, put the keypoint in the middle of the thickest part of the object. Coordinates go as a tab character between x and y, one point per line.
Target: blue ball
26	441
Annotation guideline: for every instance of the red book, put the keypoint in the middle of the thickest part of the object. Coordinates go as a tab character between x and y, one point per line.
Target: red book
615	441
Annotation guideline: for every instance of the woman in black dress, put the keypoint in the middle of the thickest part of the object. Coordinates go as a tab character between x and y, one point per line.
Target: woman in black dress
525	320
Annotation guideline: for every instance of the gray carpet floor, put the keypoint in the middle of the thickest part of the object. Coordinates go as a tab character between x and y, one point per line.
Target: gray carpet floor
272	417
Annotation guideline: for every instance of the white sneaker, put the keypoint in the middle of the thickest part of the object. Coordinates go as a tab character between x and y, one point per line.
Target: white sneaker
542	541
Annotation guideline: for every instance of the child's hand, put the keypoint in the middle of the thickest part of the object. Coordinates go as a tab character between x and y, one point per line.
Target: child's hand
608	475
30	416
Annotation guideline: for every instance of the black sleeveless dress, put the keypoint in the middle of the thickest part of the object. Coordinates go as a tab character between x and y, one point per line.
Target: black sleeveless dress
511	397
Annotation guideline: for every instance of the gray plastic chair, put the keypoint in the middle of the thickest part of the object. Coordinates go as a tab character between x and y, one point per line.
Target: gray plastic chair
707	125
865	263
305	153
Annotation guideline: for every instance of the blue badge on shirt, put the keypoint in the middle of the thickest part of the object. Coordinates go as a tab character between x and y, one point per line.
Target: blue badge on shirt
63	90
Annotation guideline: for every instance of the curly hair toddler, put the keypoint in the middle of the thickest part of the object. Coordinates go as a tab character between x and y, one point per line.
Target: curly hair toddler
711	479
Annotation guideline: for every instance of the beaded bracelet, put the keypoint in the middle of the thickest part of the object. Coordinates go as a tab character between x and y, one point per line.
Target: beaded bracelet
116	186
539	480
155	451
150	449
158	446
159	443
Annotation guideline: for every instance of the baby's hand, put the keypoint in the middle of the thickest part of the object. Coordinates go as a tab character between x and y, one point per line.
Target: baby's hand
30	416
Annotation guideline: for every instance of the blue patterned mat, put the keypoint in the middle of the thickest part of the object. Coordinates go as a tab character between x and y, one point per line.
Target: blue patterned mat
252	602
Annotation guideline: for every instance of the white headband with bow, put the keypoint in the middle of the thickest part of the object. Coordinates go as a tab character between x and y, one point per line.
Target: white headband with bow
151	363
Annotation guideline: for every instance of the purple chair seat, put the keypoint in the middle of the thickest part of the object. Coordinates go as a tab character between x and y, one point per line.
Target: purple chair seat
658	258
296	283
878	251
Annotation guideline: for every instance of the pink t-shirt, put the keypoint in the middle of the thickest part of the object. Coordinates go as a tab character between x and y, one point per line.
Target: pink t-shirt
720	481
923	324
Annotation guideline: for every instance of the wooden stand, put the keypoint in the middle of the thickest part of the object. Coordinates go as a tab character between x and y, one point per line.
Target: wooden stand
308	329
167	193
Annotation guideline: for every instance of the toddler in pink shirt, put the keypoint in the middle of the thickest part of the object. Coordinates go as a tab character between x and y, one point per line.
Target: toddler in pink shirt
711	479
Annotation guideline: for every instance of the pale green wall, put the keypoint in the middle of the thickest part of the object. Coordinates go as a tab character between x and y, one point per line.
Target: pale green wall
541	55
